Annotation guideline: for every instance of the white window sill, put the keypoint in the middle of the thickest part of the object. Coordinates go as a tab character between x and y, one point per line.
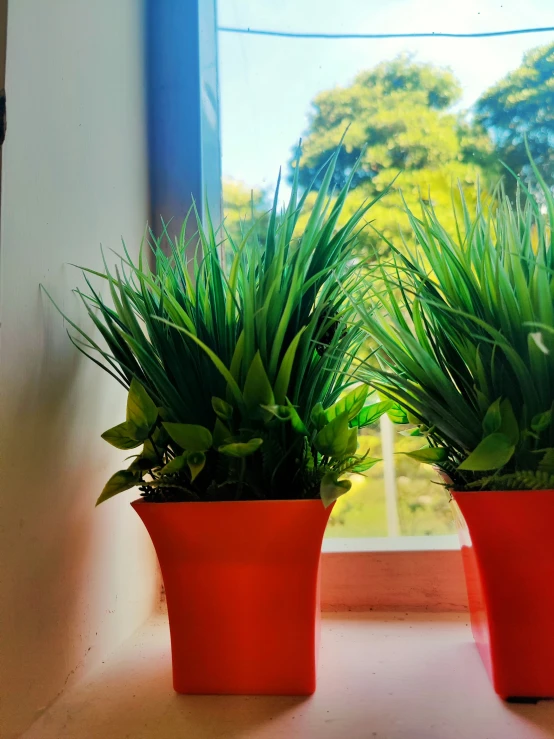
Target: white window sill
381	676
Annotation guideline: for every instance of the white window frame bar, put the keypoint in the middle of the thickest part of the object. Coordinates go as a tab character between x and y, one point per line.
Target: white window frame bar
389	476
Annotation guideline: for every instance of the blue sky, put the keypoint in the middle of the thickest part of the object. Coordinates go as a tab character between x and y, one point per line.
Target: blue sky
266	84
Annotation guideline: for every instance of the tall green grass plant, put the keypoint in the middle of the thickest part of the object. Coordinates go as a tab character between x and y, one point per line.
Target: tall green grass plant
239	378
464	328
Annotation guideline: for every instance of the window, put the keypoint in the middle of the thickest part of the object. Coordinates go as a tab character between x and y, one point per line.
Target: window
437	110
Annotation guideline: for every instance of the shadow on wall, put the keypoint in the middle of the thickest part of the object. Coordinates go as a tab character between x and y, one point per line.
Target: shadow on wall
74	581
61	561
41	529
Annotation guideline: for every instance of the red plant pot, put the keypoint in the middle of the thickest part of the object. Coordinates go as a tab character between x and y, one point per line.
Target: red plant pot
241	581
508	556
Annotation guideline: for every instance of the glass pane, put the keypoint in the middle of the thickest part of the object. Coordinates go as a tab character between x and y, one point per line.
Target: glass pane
437	110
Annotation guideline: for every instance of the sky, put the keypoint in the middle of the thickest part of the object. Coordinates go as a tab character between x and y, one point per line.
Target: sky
267	84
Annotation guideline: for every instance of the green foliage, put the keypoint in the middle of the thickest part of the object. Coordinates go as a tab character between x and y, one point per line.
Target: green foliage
244	207
522	106
492	453
118	483
239	375
189	436
429	455
399	120
465	330
524	480
397	117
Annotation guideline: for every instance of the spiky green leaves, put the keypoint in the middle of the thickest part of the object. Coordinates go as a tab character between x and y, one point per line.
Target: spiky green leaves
233	353
257	389
464	328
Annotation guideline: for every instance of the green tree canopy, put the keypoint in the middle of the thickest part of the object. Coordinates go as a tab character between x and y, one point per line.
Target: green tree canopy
522	105
401	111
242	205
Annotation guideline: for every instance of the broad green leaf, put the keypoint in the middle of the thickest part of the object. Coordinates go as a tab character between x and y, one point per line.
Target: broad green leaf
365	465
397	414
147	459
541	421
493	418
352	404
189	436
318	416
141	409
296	422
331	488
141	464
124	436
196	462
221	434
287	413
352	443
334	437
122	480
148	450
492	453
175	465
159	437
241	449
257	388
509	425
428	455
280	412
222	409
371	413
218	364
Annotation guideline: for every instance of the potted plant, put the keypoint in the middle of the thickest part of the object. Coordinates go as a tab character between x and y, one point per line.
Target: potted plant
242	417
464	325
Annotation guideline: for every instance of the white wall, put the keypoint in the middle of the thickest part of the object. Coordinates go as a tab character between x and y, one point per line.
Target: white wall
74	580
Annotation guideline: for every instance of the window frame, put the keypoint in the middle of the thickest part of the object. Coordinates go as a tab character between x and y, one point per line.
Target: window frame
182	111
